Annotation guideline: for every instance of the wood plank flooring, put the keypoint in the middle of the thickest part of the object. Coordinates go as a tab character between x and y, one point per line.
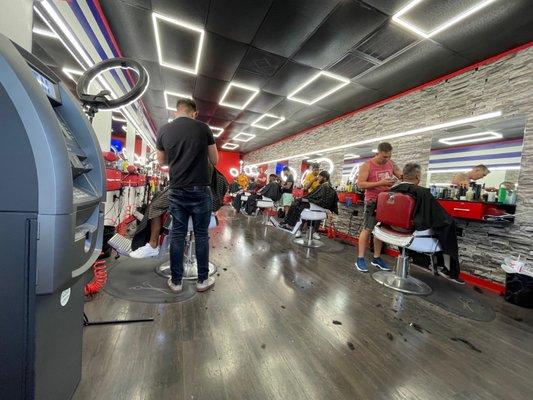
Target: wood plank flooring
266	331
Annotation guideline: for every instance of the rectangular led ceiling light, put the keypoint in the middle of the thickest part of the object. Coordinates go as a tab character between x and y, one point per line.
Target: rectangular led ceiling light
216	131
191	69
230	146
178	95
347	156
342	82
243	137
253	92
471	138
413	28
269	121
118	119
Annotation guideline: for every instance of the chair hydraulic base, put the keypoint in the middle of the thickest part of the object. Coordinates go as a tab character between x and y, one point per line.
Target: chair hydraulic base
400	280
308	240
190	270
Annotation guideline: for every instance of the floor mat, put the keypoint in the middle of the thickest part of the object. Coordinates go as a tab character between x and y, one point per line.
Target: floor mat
461	300
135	280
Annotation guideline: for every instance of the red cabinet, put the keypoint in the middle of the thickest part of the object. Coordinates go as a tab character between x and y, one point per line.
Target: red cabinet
464	209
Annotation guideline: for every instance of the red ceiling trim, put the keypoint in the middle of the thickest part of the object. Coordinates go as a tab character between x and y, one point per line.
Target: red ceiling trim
433	82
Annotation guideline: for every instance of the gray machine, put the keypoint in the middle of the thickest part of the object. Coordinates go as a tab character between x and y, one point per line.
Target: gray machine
51	226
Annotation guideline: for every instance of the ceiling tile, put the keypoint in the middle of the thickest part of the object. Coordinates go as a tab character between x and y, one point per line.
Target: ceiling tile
177	82
350	98
347	25
387	41
209	89
264	102
226	18
289	23
351	65
221	57
389	7
192	12
288	78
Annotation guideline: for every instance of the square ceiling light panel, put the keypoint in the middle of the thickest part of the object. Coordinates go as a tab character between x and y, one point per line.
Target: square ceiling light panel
171	99
230	146
427	18
267	121
319	86
179	44
471	138
238	95
216	131
243	137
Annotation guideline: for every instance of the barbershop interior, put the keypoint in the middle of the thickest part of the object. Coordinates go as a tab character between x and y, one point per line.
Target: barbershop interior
266	199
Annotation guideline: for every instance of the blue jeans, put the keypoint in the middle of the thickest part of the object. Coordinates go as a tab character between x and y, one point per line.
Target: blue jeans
190	202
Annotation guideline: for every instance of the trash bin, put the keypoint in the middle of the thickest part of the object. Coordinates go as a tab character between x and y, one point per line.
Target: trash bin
519	290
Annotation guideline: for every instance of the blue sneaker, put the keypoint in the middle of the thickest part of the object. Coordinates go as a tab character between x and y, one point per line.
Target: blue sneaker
360	264
378	262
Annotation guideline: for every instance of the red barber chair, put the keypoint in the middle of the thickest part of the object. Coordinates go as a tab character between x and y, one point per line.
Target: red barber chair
394	214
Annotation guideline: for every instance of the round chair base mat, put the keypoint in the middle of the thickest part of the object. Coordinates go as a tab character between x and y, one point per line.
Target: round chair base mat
135	280
461	300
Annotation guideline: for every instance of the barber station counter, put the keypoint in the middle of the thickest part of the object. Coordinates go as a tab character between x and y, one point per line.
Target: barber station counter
483	237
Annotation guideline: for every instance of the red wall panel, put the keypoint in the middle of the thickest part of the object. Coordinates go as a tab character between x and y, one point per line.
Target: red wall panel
227	160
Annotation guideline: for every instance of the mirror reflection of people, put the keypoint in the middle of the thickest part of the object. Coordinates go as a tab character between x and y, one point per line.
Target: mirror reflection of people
464	178
375	176
311	180
262	178
429	214
188	146
286	188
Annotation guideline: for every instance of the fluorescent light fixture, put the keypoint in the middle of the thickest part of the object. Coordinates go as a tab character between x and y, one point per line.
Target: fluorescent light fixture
243	137
118	119
125	128
230	146
70	72
397	18
350	155
342	82
175	94
374	150
426	129
471	138
258	125
443	171
234	172
189	69
254	93
45	33
216	131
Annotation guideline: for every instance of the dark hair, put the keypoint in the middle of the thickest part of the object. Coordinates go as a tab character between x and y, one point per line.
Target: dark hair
385	147
411	170
315	165
272	176
483	168
190	104
286	169
325	175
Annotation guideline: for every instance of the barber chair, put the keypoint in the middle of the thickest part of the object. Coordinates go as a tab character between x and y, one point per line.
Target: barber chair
394	214
264	205
190	270
311	214
244	199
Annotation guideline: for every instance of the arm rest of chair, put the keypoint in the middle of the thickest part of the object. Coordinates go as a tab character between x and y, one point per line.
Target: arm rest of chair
314	207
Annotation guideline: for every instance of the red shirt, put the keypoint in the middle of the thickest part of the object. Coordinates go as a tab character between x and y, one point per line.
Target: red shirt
377	173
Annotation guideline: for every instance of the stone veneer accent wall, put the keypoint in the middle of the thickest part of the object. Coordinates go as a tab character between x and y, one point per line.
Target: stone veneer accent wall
506	85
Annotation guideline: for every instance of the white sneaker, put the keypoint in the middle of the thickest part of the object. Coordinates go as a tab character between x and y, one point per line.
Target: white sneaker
316	236
205	285
173	287
298	234
146	251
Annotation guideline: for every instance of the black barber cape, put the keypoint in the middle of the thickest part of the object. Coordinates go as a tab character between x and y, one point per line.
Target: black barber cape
325	196
271	191
429	214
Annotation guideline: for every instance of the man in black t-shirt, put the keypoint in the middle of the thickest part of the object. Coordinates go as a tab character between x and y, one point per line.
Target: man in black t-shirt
187	146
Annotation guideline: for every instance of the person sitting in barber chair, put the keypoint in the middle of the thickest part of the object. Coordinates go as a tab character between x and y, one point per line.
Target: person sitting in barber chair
145	242
271	191
324	196
429	214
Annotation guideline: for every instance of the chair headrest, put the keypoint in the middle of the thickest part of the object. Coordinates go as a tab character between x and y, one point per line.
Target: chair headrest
395	209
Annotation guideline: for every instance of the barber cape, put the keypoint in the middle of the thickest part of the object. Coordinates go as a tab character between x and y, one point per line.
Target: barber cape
428	212
326	197
272	191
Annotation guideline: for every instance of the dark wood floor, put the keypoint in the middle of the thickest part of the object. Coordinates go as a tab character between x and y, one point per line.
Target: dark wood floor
266	332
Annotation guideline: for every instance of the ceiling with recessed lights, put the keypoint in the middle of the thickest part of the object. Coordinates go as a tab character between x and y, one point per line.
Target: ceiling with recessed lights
261	70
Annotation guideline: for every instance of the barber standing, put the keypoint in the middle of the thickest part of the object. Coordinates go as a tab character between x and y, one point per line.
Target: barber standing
375	176
187	146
